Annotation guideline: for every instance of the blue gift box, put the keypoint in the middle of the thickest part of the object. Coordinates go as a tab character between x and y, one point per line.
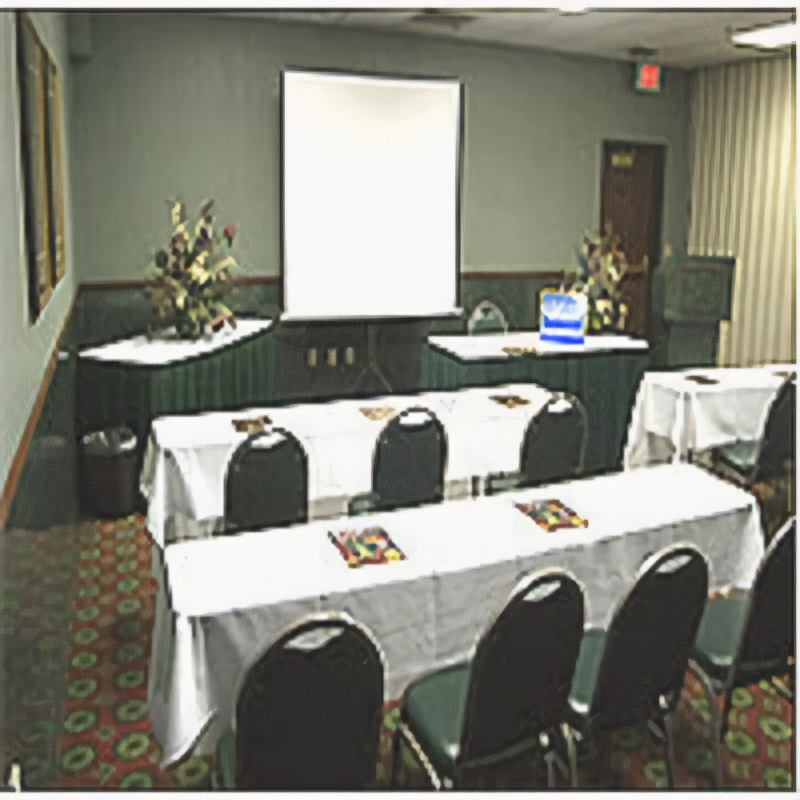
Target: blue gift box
562	317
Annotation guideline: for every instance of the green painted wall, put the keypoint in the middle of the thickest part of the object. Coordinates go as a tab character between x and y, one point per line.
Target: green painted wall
24	346
189	104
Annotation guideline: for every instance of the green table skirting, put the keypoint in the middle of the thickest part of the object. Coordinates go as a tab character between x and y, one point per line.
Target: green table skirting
111	393
605	382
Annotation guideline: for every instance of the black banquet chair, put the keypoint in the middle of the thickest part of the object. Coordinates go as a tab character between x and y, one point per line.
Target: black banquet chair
408	465
308	713
744	639
765	467
266	483
634	671
749	462
465	723
553	447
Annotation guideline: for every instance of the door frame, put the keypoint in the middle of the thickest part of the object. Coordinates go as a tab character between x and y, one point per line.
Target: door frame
641	141
626	137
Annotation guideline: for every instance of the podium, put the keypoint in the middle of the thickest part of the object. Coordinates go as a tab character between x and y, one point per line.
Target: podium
691	295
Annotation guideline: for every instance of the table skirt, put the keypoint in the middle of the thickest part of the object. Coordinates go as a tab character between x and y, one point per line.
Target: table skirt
605	382
113	393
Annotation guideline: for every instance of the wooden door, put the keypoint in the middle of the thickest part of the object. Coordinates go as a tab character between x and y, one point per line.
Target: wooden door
631	198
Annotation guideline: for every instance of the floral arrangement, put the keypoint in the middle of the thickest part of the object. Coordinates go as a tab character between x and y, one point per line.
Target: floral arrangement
602	265
191	275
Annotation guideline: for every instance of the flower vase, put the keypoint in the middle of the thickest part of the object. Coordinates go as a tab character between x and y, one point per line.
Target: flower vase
188	330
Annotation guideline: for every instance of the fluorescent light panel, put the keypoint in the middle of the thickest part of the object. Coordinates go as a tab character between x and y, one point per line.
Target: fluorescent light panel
772	37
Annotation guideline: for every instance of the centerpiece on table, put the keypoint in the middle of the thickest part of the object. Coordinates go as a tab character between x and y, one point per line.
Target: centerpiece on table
191	275
602	264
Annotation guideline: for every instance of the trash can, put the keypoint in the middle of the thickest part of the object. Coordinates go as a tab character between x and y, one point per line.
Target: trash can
107	472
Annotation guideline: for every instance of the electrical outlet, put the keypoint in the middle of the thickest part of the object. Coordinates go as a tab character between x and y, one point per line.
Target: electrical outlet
331	356
312	357
350	355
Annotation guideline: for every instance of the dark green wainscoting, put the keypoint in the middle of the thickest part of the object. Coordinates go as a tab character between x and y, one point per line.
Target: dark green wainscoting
108	312
46	494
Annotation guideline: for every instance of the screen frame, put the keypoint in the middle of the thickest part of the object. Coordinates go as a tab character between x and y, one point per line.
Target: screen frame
334	71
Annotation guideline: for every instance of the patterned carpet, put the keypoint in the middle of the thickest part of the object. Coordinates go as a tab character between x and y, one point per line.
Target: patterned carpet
106	740
36	582
76	628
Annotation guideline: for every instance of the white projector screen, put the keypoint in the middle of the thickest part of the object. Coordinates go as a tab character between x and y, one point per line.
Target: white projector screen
371	171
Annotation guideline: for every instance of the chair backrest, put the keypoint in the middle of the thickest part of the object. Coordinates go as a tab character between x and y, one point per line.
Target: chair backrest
487	318
778	441
309	712
767	641
650	637
266	484
523	666
555	441
410	459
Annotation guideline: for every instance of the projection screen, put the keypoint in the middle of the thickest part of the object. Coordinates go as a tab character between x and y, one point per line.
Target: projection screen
371	191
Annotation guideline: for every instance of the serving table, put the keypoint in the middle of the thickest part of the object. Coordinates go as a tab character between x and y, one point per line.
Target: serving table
134	380
232	596
603	373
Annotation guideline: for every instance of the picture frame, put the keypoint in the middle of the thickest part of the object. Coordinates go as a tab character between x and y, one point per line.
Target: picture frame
33	73
55	127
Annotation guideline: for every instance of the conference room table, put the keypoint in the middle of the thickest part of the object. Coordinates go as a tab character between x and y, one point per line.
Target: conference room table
603	372
132	381
183	475
690	411
232	596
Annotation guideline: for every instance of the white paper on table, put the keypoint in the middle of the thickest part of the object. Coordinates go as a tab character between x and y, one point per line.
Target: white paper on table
490	346
158	351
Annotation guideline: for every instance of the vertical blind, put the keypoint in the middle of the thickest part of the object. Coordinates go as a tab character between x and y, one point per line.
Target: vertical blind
743	200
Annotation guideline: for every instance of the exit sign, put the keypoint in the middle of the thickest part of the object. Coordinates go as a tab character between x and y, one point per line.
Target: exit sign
648	77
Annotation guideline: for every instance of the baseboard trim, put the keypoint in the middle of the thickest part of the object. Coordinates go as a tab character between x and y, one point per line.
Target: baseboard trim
18	462
100	286
104	286
549	275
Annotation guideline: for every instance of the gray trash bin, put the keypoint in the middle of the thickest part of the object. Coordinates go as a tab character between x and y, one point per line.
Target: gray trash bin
107	470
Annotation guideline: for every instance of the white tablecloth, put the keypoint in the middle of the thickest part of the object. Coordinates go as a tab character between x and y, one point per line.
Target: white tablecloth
673	415
166	350
233	596
183	475
490	346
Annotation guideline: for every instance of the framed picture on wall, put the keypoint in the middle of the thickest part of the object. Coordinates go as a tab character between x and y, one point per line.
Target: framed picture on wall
55	126
33	67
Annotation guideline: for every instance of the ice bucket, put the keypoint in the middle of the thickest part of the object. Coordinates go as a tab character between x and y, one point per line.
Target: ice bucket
562	317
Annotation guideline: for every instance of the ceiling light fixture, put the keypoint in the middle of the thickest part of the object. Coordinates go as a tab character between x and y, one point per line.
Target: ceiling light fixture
771	37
